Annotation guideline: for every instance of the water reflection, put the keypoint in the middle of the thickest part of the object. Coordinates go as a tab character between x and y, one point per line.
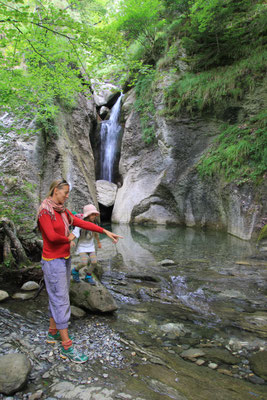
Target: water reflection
146	246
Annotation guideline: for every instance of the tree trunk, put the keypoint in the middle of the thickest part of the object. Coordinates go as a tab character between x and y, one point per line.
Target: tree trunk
16	246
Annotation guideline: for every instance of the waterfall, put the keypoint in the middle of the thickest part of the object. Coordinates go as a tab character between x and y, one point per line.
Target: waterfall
109	136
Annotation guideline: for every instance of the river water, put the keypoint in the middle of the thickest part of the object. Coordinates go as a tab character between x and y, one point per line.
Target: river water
177	289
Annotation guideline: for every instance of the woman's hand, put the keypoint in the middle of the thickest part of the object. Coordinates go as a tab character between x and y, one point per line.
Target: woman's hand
115	238
71	237
99	245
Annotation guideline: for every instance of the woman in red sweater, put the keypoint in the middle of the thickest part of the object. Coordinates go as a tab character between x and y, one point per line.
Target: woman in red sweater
54	221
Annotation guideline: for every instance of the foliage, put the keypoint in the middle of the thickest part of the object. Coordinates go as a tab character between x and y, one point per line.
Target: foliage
263	233
239	153
197	92
142	21
145	106
218	32
43	49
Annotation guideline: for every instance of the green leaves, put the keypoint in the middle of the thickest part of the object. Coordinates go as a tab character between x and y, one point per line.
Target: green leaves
239	153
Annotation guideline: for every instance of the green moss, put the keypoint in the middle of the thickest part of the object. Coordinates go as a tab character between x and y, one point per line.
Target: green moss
263	233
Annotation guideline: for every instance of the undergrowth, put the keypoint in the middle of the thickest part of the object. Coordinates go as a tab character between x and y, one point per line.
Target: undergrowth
199	91
239	153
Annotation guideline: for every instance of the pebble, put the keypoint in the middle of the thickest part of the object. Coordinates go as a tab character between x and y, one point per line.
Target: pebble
200	362
212	365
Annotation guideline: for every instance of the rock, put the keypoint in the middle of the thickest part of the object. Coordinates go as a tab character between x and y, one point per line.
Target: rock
104	112
30	286
224	371
3	295
14	371
105	93
221	356
167	262
93	298
231	293
256	380
177	329
77	312
106	192
37	395
258	362
161	184
23	296
212	365
200	362
192	353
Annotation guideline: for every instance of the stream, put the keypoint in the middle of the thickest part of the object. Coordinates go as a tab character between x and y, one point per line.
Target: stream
191	319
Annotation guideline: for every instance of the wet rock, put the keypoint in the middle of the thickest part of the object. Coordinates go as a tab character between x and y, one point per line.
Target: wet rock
104	112
30	285
14	371
212	365
220	355
192	353
258	362
256	379
3	295
167	262
225	371
200	362
68	390
176	329
93	298
23	296
232	294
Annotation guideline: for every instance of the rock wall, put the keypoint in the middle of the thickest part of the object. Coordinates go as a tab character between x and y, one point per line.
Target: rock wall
160	181
30	163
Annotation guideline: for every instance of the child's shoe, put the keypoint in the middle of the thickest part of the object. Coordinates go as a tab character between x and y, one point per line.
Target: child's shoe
75	275
88	278
73	355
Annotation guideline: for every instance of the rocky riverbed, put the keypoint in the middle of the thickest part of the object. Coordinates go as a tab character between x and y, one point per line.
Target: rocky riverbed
191	324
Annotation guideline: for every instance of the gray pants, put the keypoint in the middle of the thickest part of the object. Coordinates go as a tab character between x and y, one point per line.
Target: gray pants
57	281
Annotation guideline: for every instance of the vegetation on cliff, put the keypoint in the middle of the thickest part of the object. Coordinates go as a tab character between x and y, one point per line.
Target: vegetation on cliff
208	54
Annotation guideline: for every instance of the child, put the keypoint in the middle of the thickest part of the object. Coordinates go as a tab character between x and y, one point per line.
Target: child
86	246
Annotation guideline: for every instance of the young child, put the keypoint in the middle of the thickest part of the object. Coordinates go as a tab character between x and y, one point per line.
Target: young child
86	246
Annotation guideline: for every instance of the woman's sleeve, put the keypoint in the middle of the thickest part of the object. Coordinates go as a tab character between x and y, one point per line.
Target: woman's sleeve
46	226
89	226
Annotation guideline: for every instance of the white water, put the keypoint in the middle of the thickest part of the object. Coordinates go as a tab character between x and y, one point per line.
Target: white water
109	135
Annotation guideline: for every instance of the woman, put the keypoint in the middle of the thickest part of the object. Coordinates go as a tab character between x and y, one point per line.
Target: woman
54	220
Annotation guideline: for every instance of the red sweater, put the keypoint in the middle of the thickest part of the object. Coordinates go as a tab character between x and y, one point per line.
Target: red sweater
55	243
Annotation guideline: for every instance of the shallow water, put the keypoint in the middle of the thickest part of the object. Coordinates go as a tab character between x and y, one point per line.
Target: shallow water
212	295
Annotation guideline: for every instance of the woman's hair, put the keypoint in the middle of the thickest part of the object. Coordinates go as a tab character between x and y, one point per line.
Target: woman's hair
59	183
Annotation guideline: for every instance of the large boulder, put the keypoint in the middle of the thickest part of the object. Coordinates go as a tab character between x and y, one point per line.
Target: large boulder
106	192
105	94
14	371
92	298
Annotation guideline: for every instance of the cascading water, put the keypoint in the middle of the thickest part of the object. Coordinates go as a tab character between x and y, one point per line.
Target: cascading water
110	135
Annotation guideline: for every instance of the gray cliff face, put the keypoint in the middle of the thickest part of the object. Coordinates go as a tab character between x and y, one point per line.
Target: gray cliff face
30	164
161	184
68	154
